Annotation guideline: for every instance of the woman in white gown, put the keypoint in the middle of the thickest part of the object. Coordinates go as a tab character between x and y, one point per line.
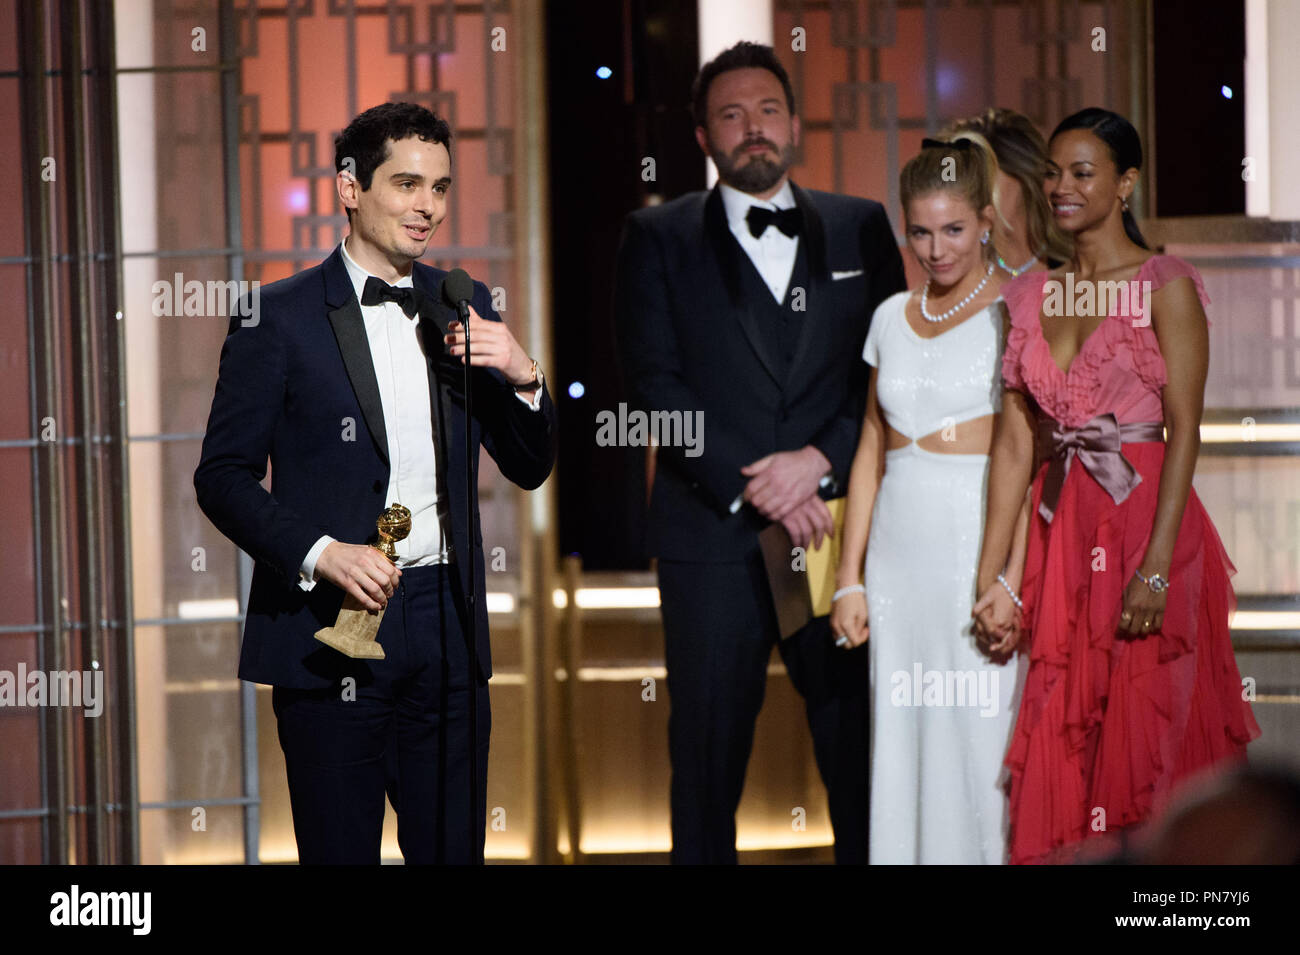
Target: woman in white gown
941	710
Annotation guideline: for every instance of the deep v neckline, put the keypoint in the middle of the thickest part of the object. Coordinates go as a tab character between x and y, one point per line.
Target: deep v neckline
1042	336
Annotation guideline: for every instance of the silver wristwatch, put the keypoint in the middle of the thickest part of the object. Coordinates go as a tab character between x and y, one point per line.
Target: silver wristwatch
1157	583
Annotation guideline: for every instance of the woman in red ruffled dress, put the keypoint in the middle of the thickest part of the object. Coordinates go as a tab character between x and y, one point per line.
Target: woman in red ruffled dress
1125	601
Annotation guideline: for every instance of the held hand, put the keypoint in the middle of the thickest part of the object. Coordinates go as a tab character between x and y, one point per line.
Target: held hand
1143	611
360	571
809	523
849	617
491	346
780	482
998	622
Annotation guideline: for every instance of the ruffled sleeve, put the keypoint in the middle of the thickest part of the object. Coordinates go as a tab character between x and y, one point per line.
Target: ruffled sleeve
1019	301
1162	269
1140	337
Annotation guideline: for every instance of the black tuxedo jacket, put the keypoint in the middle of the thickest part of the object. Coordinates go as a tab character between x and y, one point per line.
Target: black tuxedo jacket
299	387
690	341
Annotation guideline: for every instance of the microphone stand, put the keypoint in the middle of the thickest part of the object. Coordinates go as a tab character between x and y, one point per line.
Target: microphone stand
471	485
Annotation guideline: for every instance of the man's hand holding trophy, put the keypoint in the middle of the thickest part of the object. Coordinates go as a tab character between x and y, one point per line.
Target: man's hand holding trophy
353	634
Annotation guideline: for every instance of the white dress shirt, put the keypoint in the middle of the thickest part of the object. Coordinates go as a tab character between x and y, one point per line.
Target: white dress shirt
415	477
773	253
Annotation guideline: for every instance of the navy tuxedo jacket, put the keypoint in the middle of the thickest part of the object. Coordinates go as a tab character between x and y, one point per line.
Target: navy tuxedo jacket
689	341
298	387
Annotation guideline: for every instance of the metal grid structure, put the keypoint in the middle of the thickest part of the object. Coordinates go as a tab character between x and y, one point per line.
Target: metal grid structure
898	70
88	805
75	448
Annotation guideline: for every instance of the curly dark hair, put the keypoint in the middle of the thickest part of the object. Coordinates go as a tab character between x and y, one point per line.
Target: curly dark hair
365	141
743	54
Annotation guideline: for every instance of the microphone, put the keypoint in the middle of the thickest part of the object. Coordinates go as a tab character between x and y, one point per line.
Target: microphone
457	290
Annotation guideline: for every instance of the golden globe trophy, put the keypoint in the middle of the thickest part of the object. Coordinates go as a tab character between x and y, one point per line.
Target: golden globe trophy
354	632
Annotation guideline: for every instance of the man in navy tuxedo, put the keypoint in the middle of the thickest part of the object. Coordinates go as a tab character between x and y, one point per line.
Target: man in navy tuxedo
350	380
751	303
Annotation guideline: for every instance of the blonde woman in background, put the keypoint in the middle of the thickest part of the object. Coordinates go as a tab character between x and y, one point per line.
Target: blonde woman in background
957	813
1025	235
940	710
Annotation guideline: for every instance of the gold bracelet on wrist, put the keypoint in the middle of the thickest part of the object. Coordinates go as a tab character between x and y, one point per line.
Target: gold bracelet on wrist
534	382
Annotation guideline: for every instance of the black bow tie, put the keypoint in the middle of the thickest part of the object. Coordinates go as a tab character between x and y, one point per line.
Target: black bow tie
377	291
789	221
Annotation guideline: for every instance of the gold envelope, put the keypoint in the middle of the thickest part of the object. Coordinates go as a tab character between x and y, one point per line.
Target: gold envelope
824	561
800	595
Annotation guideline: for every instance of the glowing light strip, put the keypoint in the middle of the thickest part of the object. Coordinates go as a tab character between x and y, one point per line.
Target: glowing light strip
1249	433
609	598
1265	620
614	843
201	686
642	598
633	674
500	602
200	609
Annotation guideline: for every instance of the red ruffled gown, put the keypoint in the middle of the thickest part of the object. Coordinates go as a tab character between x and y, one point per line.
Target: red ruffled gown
1108	722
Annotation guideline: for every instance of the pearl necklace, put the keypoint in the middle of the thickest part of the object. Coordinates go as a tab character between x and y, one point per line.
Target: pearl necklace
1015	273
925	294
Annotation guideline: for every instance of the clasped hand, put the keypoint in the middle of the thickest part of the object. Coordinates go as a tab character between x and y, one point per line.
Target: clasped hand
783	487
998	622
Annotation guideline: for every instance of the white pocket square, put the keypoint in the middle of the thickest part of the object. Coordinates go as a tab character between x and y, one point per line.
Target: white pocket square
836	276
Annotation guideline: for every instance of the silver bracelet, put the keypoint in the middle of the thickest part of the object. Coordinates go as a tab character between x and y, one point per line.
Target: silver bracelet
850	589
1014	599
1155	583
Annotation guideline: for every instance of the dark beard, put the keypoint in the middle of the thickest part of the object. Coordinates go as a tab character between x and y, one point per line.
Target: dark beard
754	175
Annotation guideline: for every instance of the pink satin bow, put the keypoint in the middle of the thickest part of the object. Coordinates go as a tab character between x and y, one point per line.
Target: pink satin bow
1097	446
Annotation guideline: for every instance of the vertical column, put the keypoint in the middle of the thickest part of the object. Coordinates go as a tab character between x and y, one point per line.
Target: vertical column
1283	107
536	533
138	188
726	22
1257	108
1272	103
39	143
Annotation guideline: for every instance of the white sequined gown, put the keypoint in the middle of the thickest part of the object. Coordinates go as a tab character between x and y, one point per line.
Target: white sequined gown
941	712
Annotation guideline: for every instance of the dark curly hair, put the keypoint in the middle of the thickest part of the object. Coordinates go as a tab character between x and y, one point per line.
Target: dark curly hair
365	141
744	54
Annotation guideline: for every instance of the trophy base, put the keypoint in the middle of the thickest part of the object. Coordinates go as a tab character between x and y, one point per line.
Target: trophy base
353	634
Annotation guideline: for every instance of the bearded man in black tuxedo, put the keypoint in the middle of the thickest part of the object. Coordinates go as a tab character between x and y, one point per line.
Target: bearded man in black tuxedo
751	303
